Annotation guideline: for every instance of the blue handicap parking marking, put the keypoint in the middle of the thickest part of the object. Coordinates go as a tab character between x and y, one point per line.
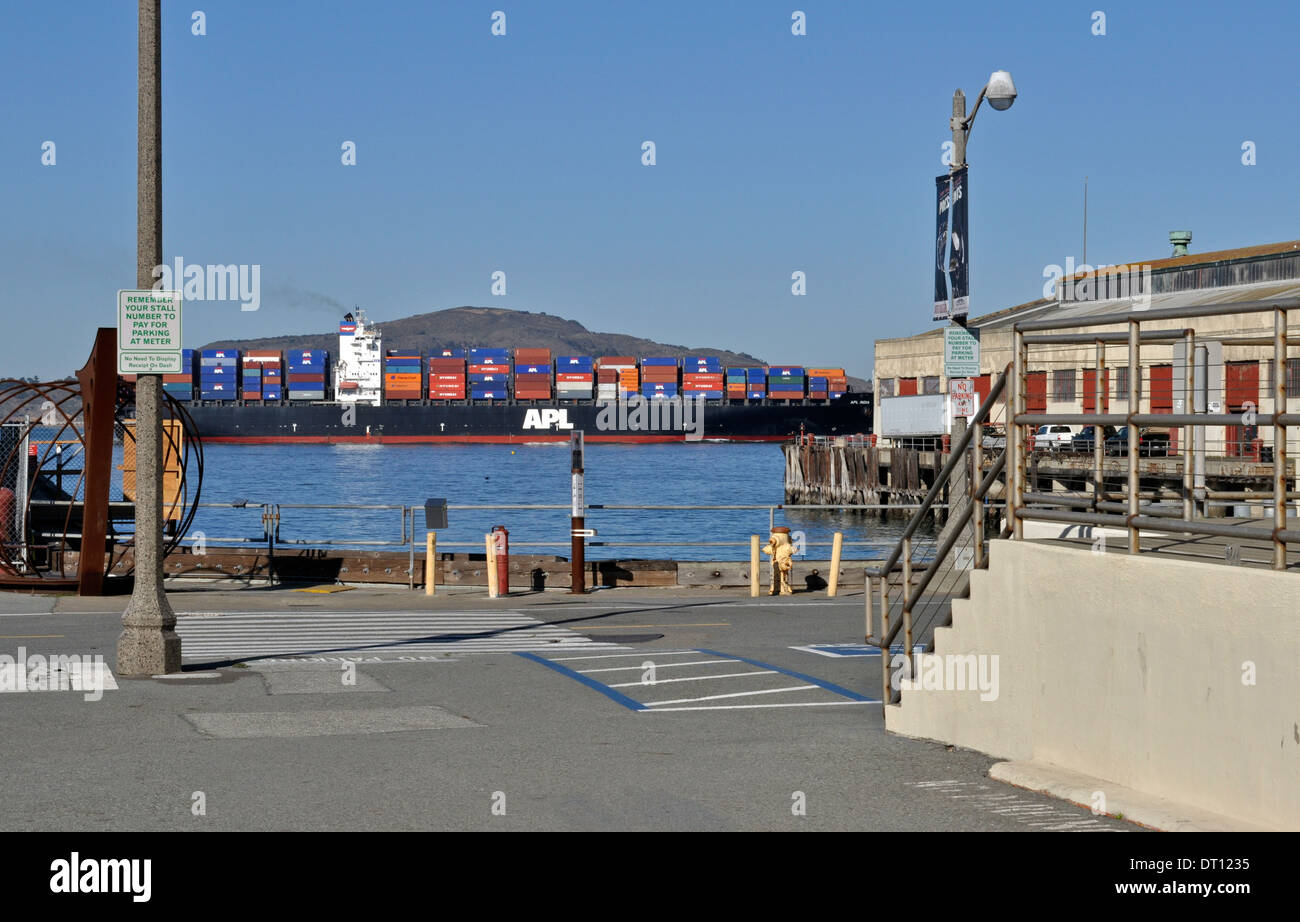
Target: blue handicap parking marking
732	682
840	649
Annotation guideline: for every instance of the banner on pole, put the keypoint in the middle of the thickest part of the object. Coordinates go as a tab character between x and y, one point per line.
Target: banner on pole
943	185
959	244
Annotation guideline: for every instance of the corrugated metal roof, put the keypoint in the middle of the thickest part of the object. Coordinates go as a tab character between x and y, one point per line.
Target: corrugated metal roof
1235	294
1204	259
1045	307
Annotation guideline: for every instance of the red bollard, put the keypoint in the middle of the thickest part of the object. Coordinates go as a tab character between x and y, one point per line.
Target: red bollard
501	543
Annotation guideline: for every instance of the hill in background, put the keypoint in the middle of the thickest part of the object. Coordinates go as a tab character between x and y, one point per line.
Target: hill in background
466	327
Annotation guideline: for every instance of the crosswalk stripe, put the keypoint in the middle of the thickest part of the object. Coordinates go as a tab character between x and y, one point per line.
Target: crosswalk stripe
312	633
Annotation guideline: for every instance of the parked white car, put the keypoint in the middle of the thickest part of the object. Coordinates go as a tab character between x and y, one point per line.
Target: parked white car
1053	438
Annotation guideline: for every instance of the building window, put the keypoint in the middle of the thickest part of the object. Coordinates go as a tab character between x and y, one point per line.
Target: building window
886	387
1121	383
930	385
1293	378
1063	384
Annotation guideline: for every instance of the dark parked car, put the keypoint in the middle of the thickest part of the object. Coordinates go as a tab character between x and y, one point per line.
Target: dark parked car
1152	443
1084	440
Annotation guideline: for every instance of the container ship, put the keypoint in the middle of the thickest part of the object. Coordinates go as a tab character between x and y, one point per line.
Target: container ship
489	394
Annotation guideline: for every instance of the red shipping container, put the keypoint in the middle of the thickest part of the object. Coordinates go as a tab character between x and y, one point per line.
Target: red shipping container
307	379
489	369
576	377
446	379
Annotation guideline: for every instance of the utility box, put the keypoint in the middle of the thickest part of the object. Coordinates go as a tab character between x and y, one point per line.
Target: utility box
435	514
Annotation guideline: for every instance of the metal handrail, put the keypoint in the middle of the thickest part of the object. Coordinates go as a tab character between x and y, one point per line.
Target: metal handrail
955	458
954	533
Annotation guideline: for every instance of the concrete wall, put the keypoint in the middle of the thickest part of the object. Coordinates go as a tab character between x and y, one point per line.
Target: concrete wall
1130	669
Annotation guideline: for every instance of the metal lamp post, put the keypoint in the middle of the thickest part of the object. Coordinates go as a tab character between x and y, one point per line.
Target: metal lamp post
149	644
1001	94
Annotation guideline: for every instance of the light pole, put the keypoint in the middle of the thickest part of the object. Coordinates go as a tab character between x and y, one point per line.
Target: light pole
148	644
1001	93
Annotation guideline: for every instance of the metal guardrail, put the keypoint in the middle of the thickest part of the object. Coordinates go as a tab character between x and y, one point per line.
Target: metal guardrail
1133	516
272	521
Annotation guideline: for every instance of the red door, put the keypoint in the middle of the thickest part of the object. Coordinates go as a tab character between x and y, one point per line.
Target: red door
1036	392
1090	390
982	385
1162	388
1240	387
906	387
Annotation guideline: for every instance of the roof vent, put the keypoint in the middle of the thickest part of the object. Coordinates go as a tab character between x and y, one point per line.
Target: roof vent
1180	239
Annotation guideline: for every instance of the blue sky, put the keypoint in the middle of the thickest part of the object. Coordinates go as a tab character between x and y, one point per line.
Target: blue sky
522	153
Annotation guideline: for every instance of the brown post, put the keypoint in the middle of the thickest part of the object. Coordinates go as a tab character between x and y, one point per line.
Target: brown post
98	381
578	544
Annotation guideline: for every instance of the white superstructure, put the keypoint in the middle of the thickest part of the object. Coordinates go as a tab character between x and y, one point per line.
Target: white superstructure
358	373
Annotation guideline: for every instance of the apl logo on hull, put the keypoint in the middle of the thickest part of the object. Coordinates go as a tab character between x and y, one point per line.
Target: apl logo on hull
547	419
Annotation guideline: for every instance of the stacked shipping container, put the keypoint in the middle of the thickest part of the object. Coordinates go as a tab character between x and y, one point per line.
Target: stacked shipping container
659	377
826	383
261	375
785	382
181	386
402	370
532	374
447	374
497	374
616	377
575	377
306	373
702	377
219	374
489	374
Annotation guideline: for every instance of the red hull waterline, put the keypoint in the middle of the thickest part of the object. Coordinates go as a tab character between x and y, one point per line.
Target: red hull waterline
471	439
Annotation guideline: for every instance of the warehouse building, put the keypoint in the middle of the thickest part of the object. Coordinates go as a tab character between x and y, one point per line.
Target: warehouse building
1062	379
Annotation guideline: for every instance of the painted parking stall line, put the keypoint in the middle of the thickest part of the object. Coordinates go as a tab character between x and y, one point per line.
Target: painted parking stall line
591	683
712	672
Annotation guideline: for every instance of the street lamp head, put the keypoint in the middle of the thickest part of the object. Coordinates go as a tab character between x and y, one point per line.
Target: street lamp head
1001	91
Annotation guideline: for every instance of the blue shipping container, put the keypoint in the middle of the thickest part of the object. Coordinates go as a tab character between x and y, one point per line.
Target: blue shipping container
660	361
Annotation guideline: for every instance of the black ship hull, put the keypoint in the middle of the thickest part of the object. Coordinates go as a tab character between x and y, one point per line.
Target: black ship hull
530	421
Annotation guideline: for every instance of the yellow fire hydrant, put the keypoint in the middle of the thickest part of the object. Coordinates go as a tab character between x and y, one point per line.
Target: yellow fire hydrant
778	547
